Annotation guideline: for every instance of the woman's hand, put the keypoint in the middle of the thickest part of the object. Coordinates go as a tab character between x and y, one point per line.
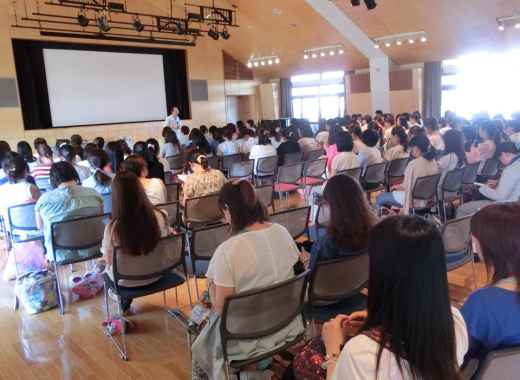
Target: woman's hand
305	258
354	322
333	336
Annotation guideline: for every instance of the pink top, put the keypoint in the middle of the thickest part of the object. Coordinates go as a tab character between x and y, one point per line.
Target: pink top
486	150
473	155
332	151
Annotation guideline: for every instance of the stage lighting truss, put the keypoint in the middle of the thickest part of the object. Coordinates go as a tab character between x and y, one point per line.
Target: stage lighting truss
323	51
114	20
400	39
508	22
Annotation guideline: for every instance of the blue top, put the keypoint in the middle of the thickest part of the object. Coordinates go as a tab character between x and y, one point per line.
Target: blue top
64	203
492	316
326	249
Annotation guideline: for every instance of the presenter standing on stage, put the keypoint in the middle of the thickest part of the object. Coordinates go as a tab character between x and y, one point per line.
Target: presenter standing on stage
173	120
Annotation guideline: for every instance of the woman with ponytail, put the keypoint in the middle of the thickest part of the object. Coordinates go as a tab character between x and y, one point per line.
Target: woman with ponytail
101	178
203	180
424	164
257	255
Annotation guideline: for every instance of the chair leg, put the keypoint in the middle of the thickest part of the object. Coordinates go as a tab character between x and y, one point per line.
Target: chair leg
189	293
475	285
58	285
124	353
227	370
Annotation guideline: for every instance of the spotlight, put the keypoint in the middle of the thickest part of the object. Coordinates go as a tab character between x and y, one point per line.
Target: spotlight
270	62
138	25
332	52
355	3
213	33
256	64
225	34
517	26
410	41
83	19
399	43
277	60
371	4
377	46
102	23
424	39
322	54
341	51
249	64
305	56
501	27
262	63
314	55
388	44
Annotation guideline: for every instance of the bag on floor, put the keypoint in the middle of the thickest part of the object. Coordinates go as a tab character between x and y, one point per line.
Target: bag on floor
37	291
88	286
30	257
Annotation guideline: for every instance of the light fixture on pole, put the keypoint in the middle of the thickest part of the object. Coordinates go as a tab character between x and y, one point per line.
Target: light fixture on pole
323	51
263	61
398	39
508	22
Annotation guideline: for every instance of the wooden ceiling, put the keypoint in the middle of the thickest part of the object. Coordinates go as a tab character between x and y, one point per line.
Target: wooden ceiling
287	27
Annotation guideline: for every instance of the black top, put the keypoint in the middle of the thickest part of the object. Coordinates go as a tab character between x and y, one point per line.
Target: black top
285	148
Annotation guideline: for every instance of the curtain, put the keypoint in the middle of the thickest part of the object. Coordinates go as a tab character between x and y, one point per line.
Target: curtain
432	90
286	110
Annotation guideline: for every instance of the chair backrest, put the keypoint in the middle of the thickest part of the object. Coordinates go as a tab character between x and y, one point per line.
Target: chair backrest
375	173
296	220
290	173
266	166
166	256
214	162
322	215
172	192
456	235
500	364
315	168
202	209
228	161
204	241
172	209
353	173
241	169
43	183
176	162
79	234
470	173
107	203
338	279
22	218
314	154
426	187
293	158
452	182
490	168
396	168
261	312
265	195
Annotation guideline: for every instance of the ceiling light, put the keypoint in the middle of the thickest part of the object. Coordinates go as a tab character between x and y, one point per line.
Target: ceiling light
314	55
410	41
341	51
355	3
388	44
256	64
270	62
277	60
83	19
371	4
501	27
305	56
102	22
138	25
249	64
322	54
424	39
517	26
332	52
262	63
399	43
225	34
377	46
213	33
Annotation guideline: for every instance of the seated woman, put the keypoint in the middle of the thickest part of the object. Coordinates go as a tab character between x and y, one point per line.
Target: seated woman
68	154
101	179
398	146
289	145
307	141
234	269
492	313
5	150
369	154
409	329
156	164
115	155
171	146
454	156
136	229
432	129
263	149
424	164
227	146
203	180
45	160
346	159
153	187
350	221
67	200
489	136
470	145
331	147
25	151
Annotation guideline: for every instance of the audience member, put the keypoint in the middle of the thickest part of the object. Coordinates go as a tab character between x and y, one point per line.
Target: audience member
77	143
183	136
101	179
454	156
289	145
115	155
171	146
398	145
227	146
5	149
470	144
203	180
262	150
369	154
25	151
68	154
432	129
307	141
100	142
489	141
45	161
346	159
153	187
156	165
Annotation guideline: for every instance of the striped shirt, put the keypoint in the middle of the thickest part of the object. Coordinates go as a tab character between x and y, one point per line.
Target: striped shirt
41	170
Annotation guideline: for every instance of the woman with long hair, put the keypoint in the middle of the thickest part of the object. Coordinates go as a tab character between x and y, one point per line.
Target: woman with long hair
136	226
289	145
68	153
25	151
115	155
454	156
153	187
156	164
45	160
409	330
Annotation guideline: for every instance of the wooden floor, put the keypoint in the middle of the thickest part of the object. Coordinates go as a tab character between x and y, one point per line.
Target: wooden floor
50	346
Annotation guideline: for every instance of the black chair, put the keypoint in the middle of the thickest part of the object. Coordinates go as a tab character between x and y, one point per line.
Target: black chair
373	178
503	364
74	241
322	218
470	177
292	158
314	173
214	162
172	192
227	162
287	179
241	170
169	258
451	188
314	154
202	211
265	195
456	236
395	172
259	313
176	163
354	173
490	168
425	189
204	242
296	220
265	169
172	210
335	281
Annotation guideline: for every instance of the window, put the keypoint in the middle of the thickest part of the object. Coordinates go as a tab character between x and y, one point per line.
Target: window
318	96
482	82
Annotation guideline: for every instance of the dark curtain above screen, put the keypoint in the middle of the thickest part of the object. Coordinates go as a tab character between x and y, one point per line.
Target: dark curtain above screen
432	91
286	110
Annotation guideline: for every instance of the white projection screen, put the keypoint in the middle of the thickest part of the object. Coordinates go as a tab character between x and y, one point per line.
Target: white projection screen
94	87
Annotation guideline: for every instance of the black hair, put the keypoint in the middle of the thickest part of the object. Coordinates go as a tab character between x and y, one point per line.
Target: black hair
98	159
432	124
67	152
63	172
357	131
198	139
263	138
39	141
470	137
400	132
100	142
14	167
139	148
185	130
115	155
334	131
454	143
370	137
344	142
408	299
423	144
4	150
25	151
200	158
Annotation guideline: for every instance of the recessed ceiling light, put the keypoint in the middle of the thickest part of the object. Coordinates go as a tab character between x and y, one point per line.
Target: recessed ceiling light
277	60
305	56
277	12
517	26
410	41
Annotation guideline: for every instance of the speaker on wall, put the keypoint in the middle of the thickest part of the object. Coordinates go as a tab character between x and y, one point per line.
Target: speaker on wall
8	93
199	90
